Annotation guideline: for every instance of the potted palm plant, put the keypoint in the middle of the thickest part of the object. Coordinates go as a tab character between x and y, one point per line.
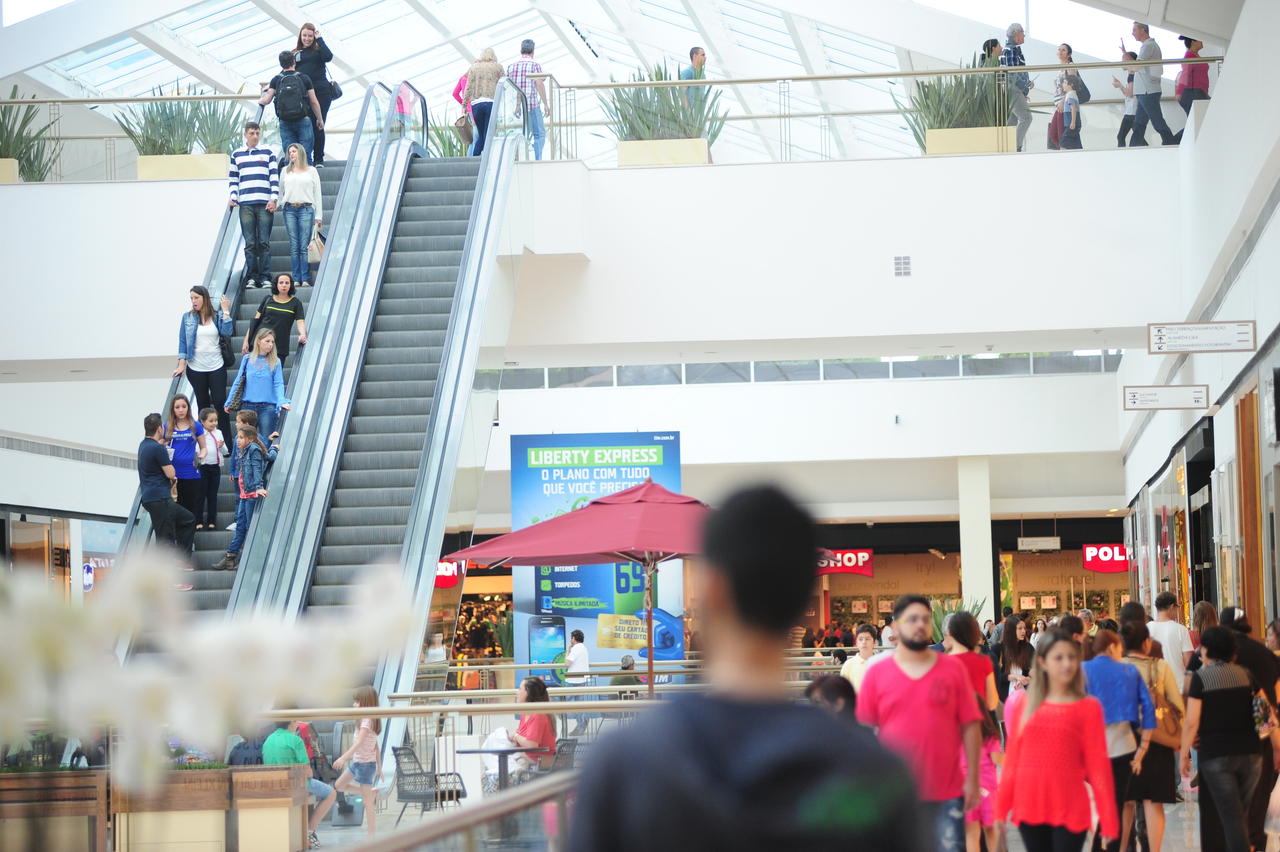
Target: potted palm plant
168	135
961	114
27	151
663	125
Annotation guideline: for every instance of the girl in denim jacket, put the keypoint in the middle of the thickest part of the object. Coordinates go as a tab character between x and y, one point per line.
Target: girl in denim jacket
252	465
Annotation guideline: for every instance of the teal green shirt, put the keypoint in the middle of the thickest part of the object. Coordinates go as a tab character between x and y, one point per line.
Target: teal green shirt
283	746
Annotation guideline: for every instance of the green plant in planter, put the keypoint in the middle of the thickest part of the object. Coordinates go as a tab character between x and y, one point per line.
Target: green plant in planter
219	125
161	127
965	100
941	611
445	142
662	112
22	140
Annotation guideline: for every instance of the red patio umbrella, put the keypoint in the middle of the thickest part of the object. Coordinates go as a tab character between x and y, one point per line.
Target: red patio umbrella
645	523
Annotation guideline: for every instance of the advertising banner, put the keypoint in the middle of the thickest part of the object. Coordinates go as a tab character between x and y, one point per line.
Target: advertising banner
1106	558
848	562
552	475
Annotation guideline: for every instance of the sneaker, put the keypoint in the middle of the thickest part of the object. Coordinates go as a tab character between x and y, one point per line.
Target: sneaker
183	587
252	282
313	842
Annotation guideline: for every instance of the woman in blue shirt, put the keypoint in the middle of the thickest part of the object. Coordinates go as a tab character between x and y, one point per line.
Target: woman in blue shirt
260	382
1125	703
181	435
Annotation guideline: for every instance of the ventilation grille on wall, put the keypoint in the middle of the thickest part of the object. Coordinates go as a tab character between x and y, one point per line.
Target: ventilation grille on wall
58	451
902	266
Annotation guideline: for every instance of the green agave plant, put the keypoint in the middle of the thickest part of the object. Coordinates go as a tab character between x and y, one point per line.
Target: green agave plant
663	112
941	611
969	100
179	127
219	125
445	142
22	140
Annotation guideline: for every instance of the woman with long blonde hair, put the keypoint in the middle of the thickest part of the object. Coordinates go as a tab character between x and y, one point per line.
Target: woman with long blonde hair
260	383
482	84
365	769
1057	743
303	207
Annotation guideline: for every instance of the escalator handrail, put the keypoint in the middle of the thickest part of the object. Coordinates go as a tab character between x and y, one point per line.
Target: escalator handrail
424	531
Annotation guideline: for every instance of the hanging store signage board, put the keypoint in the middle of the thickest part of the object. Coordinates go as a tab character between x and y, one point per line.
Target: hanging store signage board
1157	397
1039	542
847	562
1172	338
1106	558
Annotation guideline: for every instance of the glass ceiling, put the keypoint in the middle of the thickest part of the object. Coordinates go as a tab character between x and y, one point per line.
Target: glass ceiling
388	40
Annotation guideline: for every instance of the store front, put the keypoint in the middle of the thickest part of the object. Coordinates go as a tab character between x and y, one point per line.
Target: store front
59	547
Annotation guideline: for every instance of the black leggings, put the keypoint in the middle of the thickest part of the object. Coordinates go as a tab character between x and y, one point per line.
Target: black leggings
1050	838
1126	126
211	475
211	390
317	147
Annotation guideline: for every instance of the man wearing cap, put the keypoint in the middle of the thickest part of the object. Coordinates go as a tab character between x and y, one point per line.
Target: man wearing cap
1019	82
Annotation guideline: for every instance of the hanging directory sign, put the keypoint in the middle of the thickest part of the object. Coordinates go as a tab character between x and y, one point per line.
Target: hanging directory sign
1157	397
1172	338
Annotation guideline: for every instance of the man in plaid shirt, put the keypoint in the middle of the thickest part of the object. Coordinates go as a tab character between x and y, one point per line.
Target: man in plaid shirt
1020	82
535	93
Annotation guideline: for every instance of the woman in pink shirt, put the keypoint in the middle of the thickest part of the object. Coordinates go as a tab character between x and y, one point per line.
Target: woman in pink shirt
363	754
1193	79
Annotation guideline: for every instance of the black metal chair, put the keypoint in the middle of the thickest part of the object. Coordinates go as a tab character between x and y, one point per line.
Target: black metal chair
565	749
417	786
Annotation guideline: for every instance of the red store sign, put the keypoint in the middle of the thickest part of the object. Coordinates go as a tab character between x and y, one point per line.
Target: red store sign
449	574
1106	558
847	562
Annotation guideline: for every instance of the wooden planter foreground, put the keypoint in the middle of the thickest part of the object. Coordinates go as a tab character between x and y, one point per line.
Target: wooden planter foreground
54	810
188	811
270	804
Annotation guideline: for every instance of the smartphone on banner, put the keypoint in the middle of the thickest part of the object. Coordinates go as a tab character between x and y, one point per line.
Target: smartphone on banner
546	646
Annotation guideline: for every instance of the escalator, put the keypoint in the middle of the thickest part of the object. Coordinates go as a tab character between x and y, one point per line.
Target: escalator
383	447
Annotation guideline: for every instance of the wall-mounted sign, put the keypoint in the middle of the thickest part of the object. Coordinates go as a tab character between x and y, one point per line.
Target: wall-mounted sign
847	562
1027	601
1048	601
1169	338
1157	397
449	574
1039	542
1106	558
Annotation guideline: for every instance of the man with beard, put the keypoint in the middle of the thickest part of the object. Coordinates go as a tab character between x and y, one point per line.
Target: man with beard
923	705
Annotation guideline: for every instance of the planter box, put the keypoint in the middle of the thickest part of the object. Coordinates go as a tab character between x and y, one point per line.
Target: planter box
971	140
182	166
270	804
188	813
9	171
664	152
54	810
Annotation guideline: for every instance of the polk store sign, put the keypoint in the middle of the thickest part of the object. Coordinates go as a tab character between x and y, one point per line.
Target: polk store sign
449	574
847	562
1106	558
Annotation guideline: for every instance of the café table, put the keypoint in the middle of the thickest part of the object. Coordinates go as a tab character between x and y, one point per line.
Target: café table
503	755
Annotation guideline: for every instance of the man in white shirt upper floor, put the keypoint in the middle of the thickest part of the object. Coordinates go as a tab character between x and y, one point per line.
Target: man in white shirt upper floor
1172	636
578	667
1147	88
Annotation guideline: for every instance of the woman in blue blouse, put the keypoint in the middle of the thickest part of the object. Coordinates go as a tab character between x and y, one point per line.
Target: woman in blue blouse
1125	703
260	382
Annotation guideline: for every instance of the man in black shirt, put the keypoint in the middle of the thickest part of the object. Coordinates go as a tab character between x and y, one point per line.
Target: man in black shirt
746	767
1258	660
297	109
171	522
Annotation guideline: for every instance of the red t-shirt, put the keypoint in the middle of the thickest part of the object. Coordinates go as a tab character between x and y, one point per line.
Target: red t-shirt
922	720
979	667
537	727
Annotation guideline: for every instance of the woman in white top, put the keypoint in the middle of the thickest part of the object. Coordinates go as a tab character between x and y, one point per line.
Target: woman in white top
303	209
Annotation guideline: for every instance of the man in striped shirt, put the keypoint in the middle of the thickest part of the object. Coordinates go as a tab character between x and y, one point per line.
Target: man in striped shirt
534	92
254	180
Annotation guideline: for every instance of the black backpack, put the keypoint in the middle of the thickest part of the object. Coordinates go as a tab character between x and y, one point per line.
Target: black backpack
291	97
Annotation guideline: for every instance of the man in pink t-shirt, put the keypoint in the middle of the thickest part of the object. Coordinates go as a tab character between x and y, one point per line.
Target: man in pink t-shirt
923	706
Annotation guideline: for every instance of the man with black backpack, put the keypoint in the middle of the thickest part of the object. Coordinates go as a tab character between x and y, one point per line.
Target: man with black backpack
295	100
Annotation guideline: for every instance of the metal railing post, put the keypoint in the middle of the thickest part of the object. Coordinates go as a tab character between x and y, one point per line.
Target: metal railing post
784	120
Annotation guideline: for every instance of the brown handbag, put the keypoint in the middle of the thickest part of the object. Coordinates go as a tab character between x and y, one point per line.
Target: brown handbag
463	128
1168	731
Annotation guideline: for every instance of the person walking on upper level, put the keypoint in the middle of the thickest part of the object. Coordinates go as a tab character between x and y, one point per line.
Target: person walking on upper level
1019	81
254	180
695	96
535	94
200	350
297	107
1193	80
1130	99
311	56
171	523
1066	58
482	85
1071	120
1147	88
300	196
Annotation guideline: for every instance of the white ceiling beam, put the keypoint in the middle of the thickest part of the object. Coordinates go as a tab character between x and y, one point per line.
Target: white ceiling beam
290	16
446	29
161	40
573	42
73	27
1210	22
814	59
62	85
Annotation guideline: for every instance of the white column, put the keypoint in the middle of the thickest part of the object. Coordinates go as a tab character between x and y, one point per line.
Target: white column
976	559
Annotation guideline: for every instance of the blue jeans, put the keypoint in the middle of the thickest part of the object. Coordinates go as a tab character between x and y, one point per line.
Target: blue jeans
538	129
255	226
1231	780
480	114
244	514
267	415
298	221
1149	110
295	130
948	824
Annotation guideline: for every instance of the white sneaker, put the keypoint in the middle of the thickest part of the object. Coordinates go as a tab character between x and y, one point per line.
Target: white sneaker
231	526
251	283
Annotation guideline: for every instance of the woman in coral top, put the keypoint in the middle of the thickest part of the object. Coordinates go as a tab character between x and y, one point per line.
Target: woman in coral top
1057	743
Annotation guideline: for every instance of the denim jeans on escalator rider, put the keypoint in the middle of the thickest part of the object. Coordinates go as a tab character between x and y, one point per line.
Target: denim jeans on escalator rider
252	468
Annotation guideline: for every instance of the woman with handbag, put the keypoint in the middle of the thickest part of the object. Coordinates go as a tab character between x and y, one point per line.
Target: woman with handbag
1155	784
303	206
279	312
311	55
465	121
260	383
204	352
482	84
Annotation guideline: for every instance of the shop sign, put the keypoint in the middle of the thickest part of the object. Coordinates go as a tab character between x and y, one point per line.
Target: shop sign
86	576
449	574
1158	397
1106	558
1167	338
847	562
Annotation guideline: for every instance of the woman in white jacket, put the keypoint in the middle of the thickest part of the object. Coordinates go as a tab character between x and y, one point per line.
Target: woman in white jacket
303	209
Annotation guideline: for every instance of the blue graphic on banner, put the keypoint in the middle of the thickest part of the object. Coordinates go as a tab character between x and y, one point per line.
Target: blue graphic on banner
552	475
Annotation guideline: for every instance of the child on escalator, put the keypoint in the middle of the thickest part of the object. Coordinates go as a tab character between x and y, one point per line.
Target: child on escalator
251	465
